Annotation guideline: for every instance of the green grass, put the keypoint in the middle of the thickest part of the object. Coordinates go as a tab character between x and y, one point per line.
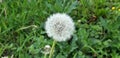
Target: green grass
97	35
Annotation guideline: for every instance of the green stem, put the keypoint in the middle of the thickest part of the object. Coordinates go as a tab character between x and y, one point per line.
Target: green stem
52	49
93	50
45	55
75	55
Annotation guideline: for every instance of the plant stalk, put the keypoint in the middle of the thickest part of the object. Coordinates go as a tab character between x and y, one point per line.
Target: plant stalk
45	56
52	49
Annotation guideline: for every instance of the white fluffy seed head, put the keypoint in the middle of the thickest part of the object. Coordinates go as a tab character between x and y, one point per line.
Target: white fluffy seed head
59	26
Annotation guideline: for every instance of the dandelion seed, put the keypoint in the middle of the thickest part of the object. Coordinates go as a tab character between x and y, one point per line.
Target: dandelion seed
113	8
60	26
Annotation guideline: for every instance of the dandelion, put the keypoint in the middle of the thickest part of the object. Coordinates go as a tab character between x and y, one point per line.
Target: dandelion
60	27
113	8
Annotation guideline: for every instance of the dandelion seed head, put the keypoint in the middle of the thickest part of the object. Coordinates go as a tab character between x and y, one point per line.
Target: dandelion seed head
60	26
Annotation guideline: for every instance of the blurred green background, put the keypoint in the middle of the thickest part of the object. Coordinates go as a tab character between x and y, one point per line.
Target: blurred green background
97	22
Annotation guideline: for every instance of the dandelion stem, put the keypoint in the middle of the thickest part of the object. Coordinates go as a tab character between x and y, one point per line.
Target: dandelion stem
45	55
75	55
52	49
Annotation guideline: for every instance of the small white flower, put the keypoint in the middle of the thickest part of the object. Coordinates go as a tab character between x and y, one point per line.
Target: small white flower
60	26
46	49
79	21
47	46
